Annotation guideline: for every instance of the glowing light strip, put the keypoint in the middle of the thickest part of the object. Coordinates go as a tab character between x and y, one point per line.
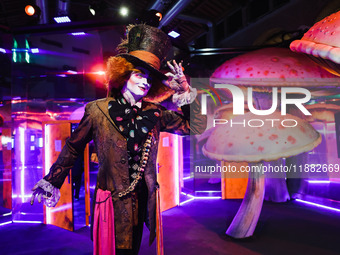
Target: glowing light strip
6	214
16	196
78	33
187	201
314	181
176	143
194	197
187	178
208	198
5	223
318	205
22	159
47	167
35	50
29	221
187	194
209	191
62	208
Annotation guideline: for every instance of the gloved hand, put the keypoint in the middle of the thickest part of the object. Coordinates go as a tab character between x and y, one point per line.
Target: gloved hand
45	191
177	80
39	193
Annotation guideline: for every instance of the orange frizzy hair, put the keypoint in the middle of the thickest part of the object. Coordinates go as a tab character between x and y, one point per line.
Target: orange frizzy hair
117	74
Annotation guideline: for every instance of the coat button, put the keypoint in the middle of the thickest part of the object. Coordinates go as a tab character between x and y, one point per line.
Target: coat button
123	160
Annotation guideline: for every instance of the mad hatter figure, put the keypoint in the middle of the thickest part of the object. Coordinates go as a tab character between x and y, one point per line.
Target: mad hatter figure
125	128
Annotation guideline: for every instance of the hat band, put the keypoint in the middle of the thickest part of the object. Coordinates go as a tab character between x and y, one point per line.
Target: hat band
148	57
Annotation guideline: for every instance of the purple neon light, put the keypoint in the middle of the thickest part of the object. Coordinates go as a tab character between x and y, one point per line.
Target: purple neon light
319	181
28	221
199	197
193	198
78	33
208	198
187	201
6	223
318	205
189	195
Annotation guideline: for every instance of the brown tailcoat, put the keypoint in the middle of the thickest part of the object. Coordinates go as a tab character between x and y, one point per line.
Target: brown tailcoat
111	147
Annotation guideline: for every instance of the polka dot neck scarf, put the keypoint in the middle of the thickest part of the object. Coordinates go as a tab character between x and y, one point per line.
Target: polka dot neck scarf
134	124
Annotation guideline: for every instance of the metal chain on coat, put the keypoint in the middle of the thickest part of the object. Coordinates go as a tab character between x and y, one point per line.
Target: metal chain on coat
140	170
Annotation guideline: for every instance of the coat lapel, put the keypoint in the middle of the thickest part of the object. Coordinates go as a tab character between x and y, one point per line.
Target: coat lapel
103	105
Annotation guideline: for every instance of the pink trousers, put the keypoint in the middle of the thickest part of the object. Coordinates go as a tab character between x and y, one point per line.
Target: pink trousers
103	225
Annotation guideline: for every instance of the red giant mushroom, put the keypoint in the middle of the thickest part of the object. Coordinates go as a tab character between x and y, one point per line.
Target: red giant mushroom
322	43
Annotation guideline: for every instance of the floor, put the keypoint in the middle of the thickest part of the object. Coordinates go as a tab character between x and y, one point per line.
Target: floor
198	227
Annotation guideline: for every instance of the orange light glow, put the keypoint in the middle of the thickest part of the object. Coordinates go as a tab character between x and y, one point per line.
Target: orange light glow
99	72
29	10
159	15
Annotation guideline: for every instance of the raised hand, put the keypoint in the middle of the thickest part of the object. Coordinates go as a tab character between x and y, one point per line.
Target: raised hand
177	80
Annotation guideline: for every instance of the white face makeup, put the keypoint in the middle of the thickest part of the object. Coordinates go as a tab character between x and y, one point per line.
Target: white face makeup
138	84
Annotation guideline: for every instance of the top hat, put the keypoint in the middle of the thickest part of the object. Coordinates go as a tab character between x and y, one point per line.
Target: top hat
147	47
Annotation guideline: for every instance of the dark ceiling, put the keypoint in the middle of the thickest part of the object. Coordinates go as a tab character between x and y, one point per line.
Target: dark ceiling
197	13
194	19
224	26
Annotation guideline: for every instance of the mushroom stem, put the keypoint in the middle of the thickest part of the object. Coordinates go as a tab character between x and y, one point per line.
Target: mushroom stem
245	221
275	184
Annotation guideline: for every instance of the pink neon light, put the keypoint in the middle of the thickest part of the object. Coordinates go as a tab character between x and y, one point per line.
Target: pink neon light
208	198
318	205
176	143
22	159
47	167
